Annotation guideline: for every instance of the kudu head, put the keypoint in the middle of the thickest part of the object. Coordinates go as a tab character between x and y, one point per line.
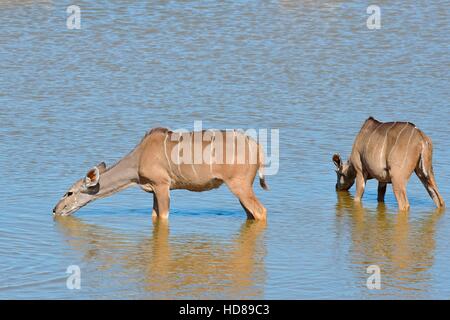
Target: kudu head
345	173
81	192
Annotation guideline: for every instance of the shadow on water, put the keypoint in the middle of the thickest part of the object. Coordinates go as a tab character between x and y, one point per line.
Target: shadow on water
402	245
175	266
147	211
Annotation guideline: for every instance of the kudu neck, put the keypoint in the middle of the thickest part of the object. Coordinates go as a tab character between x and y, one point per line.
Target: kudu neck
351	170
120	176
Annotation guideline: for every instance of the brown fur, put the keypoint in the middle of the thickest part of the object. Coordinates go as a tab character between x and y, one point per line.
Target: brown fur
159	174
150	165
389	152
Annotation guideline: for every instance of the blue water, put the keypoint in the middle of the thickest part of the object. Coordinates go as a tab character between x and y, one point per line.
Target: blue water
72	98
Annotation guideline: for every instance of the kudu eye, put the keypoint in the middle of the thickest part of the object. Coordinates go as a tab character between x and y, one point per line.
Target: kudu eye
68	194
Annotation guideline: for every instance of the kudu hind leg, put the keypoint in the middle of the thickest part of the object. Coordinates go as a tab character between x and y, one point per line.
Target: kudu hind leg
424	171
430	185
253	207
247	198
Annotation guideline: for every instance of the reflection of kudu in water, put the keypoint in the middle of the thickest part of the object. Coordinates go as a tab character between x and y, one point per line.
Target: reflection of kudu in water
403	249
174	267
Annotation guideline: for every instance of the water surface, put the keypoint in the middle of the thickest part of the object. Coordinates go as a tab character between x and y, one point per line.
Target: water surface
72	98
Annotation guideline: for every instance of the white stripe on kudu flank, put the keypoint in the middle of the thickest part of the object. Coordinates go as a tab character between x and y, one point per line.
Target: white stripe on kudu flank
178	154
193	169
250	155
165	152
396	140
211	154
384	143
407	146
193	155
370	137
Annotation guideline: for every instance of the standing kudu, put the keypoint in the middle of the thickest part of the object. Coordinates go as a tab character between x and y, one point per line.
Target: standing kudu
155	166
389	152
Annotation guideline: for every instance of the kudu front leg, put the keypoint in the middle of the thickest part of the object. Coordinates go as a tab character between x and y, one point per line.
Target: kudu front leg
161	201
360	186
155	207
381	191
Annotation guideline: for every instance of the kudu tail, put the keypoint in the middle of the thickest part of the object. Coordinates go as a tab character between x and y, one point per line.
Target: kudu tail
262	179
425	172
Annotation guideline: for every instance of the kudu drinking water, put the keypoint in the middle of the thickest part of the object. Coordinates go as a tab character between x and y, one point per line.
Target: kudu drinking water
389	152
166	160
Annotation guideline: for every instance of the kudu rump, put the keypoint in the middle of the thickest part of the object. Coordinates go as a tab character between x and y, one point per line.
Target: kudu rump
389	152
166	160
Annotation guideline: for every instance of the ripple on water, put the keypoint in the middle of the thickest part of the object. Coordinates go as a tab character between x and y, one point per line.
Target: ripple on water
312	70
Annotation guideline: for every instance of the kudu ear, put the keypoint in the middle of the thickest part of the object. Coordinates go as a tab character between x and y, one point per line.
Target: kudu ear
92	177
101	167
337	160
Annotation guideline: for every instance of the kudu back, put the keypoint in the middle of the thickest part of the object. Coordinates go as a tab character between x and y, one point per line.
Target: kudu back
388	152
